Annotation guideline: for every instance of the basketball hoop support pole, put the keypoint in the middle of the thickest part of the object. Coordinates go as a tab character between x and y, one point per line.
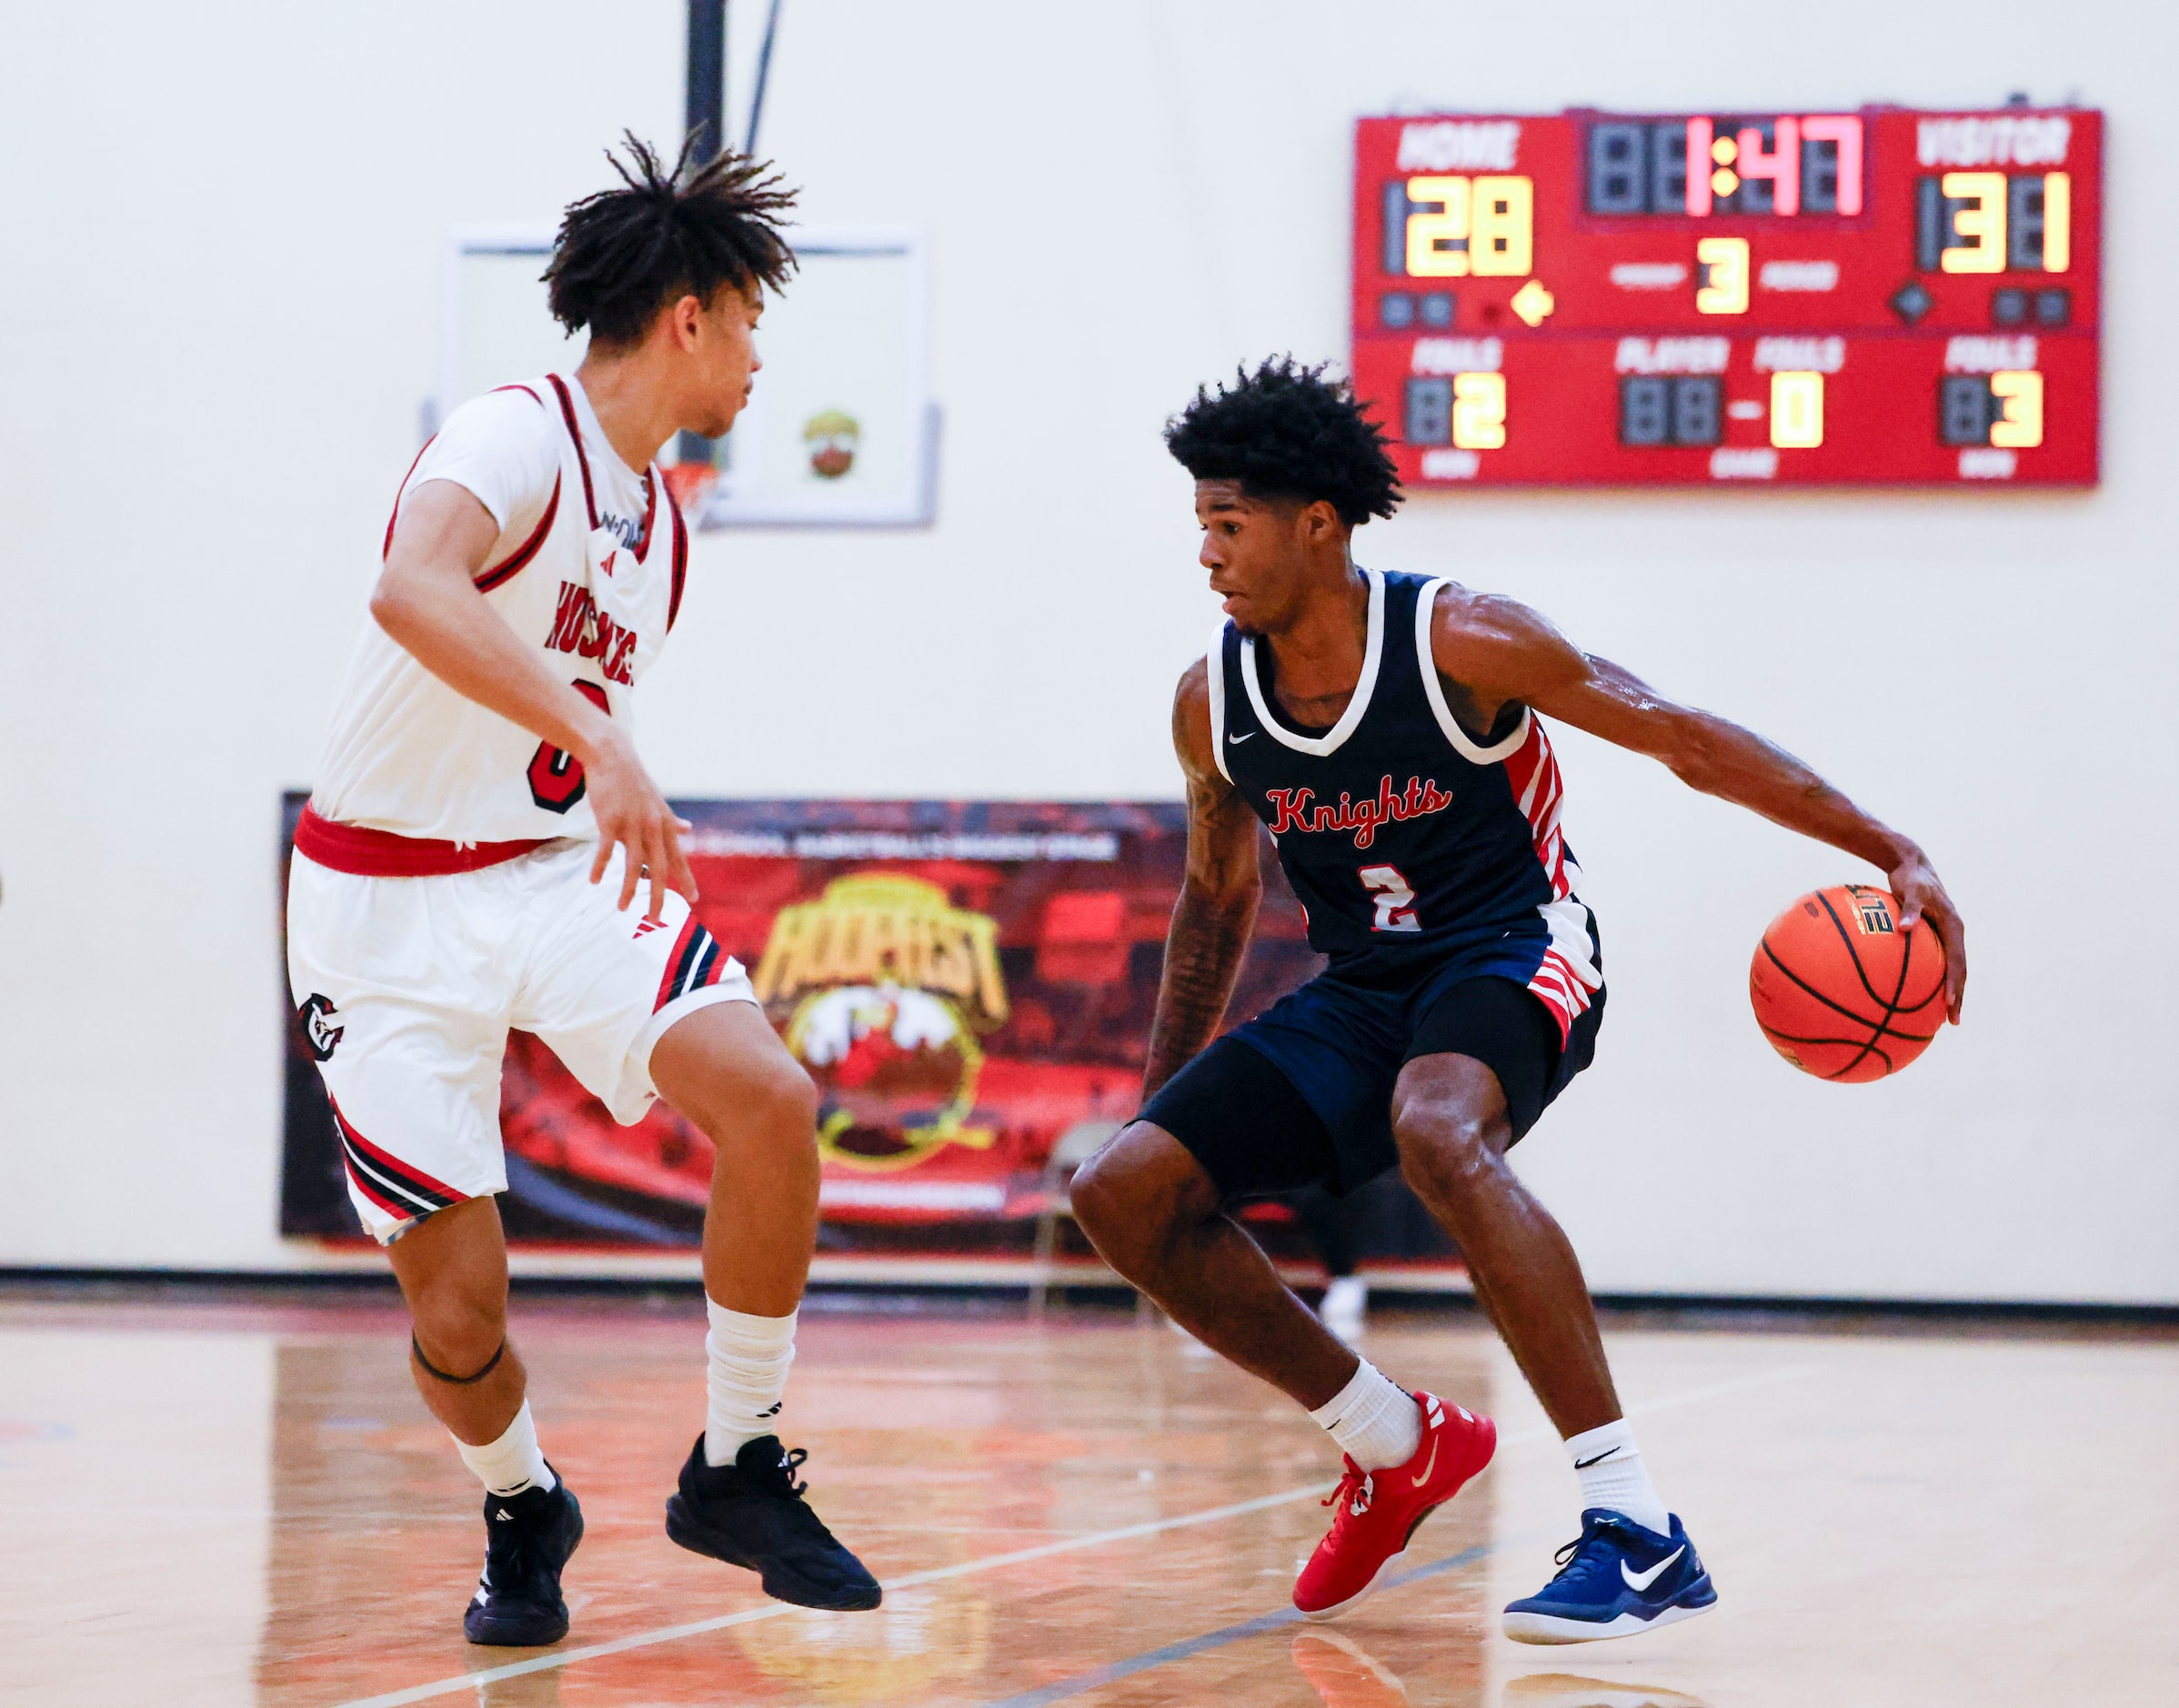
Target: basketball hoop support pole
707	90
706	111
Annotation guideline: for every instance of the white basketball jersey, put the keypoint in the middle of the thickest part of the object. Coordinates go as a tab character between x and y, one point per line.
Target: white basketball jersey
409	755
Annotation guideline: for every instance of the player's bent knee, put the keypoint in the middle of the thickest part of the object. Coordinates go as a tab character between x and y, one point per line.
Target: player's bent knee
771	1100
1123	1200
457	1332
1444	1151
781	1096
1105	1196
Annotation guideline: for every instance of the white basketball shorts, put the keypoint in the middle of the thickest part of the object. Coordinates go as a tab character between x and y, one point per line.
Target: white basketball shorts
407	986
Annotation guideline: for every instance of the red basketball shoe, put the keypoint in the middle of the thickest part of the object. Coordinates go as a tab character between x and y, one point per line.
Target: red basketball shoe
1374	1513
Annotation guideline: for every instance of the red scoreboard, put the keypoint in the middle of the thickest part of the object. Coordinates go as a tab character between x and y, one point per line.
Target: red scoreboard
1884	297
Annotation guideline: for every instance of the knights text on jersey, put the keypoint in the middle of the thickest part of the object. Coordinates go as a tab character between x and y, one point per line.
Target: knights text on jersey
409	755
1407	841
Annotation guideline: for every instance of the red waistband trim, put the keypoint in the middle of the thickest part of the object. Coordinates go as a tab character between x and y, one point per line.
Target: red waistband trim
350	847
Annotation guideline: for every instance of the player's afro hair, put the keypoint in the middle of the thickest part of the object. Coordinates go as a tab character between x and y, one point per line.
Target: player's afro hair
1287	432
624	255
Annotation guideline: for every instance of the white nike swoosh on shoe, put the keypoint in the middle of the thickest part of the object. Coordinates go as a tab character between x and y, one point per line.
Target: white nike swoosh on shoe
1424	1476
1642	1580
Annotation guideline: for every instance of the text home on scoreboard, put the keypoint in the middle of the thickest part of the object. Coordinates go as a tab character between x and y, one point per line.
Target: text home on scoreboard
1882	297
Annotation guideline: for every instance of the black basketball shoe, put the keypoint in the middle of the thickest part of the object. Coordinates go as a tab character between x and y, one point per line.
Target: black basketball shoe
528	1538
752	1514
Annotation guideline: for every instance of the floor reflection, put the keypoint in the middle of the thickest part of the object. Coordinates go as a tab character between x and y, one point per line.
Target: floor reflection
1078	1510
1343	1673
936	1447
1564	1690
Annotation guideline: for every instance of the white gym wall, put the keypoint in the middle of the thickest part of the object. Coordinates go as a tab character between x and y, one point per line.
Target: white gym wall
221	305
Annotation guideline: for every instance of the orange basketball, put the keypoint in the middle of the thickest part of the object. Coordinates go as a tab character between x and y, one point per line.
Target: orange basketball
1841	991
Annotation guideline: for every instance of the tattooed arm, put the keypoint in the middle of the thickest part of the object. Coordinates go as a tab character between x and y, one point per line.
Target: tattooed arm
1216	909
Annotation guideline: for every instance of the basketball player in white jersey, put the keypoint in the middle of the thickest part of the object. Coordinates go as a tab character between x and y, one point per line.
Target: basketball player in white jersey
470	860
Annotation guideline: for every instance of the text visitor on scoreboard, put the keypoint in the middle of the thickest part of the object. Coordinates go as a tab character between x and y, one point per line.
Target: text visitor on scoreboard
1881	297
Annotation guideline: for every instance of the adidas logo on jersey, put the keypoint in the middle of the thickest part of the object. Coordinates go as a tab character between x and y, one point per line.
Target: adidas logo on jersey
1292	812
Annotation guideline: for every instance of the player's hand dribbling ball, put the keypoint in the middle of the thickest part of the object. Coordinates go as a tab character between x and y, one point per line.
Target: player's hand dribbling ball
1841	991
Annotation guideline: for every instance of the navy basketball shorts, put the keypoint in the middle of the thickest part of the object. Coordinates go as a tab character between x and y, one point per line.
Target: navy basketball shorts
1303	1095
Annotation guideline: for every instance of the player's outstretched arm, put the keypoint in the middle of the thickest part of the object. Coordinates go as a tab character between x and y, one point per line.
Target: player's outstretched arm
1216	909
1500	650
427	600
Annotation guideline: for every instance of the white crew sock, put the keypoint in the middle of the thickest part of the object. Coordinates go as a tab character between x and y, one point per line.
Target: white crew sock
1614	1476
748	1359
512	1463
1376	1422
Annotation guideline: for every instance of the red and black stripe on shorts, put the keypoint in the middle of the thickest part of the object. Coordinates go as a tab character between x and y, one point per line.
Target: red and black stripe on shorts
397	1187
696	962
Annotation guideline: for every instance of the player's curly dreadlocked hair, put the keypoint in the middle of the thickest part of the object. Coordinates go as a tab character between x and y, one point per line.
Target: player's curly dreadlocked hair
623	254
1287	432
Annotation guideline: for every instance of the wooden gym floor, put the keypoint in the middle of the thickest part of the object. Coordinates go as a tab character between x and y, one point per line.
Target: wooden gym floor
238	1499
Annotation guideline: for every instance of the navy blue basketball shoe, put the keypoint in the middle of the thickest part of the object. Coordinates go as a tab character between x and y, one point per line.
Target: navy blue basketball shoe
1617	1580
528	1538
752	1514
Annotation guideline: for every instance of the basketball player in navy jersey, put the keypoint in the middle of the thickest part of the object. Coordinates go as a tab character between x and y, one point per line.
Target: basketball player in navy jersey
1386	728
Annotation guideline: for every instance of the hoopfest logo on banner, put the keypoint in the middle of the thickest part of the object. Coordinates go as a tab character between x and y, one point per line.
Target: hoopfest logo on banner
885	987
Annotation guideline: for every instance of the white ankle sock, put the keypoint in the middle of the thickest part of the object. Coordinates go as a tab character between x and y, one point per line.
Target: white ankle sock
747	1374
1614	1476
1376	1422
512	1463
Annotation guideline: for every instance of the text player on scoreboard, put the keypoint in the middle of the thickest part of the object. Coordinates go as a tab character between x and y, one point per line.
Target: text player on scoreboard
480	827
1386	728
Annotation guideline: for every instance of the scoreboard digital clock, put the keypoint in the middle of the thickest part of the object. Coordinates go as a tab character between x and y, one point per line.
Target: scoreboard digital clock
1878	297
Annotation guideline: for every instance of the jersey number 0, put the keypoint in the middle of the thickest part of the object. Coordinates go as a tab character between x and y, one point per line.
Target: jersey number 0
555	776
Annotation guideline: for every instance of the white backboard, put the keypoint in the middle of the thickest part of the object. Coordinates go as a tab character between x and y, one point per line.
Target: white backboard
840	430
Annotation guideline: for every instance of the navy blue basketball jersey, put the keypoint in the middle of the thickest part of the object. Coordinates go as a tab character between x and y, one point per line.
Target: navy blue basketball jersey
1408	842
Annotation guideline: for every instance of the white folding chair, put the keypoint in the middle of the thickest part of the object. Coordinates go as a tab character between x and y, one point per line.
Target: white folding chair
1073	1148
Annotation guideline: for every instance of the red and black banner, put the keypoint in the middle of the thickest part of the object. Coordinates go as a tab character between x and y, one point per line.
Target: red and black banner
966	983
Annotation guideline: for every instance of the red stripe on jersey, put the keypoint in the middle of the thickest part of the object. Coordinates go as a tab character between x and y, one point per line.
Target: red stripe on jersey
511	566
400	1171
386	545
366	853
575	432
1532	772
680	559
651	484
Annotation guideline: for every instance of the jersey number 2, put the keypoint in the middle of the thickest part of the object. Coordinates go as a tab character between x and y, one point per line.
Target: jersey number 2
1395	898
555	775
